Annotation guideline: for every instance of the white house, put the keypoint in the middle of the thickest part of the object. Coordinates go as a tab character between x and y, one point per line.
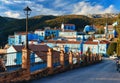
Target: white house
68	34
14	54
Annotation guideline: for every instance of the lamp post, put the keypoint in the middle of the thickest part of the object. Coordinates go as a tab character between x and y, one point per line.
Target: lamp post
26	51
27	12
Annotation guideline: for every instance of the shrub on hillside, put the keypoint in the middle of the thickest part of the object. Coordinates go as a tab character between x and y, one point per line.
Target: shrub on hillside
111	48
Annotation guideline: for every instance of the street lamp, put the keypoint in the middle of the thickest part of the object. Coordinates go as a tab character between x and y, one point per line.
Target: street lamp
26	51
27	12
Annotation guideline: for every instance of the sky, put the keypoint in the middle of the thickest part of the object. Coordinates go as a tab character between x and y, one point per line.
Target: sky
14	8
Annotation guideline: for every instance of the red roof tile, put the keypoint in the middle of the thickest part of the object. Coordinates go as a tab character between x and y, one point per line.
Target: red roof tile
32	47
40	50
91	42
11	36
64	42
104	42
96	42
22	33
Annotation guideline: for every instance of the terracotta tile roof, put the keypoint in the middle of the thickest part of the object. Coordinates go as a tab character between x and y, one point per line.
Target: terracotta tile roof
18	48
96	42
91	42
40	50
32	47
104	42
22	33
64	42
11	36
43	55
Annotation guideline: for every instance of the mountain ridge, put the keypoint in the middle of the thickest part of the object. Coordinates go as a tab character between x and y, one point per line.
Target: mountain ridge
10	25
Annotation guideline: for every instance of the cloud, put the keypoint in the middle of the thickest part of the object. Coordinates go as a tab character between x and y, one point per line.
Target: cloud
60	3
86	8
14	8
6	2
12	14
44	11
111	9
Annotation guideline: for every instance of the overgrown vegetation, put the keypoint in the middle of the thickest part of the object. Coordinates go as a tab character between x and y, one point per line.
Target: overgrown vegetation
112	48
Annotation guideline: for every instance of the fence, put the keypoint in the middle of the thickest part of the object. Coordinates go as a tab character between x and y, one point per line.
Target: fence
43	65
11	61
37	64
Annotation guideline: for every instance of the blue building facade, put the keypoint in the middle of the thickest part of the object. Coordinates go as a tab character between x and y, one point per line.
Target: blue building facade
68	27
19	38
67	46
32	37
49	32
42	34
89	29
96	47
11	40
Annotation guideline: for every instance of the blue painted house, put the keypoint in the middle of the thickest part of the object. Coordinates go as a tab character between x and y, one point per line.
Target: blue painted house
96	47
40	33
19	38
74	46
89	29
47	32
68	27
32	36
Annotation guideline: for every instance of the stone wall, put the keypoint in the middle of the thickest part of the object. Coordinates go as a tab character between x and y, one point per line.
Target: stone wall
15	76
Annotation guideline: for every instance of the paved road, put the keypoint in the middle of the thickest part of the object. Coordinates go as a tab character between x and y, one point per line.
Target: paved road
104	72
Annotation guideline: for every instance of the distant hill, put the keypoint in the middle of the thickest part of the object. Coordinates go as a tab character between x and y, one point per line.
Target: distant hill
9	25
106	15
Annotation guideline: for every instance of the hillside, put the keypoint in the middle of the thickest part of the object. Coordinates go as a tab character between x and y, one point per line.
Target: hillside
9	25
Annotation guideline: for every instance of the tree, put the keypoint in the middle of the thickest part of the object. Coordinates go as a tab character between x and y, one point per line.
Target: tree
112	48
118	31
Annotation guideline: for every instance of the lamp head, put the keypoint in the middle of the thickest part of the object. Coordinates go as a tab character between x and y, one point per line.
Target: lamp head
27	10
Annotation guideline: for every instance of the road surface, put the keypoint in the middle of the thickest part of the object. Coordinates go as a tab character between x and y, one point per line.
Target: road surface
104	72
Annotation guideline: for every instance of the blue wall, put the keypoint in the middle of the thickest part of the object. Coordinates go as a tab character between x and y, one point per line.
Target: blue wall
69	27
88	28
32	37
11	41
19	58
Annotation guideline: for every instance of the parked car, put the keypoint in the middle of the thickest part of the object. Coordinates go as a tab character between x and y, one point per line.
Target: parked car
113	57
